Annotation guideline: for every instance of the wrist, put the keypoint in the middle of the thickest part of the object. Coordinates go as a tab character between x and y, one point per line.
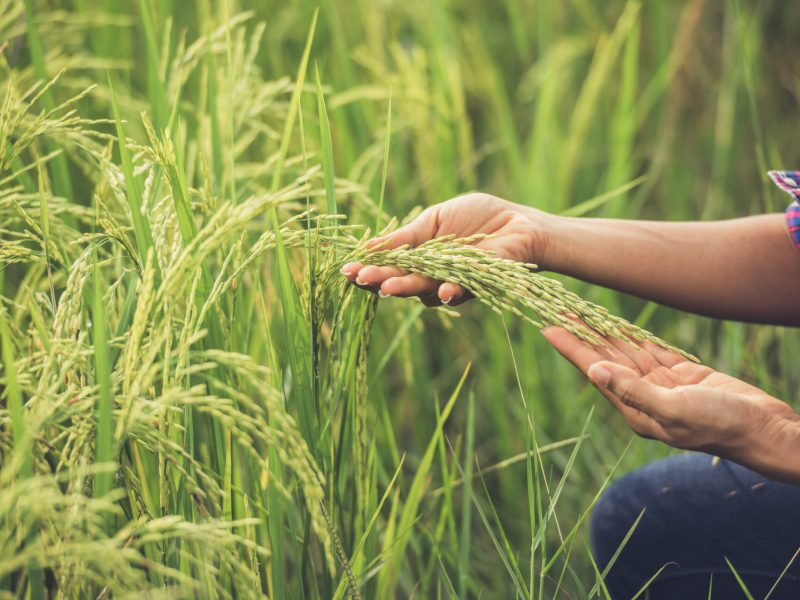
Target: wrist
772	447
552	241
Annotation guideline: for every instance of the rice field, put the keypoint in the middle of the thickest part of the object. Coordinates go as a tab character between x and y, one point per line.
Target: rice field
194	403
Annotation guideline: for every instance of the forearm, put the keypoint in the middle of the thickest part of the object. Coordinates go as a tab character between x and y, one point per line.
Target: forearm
743	269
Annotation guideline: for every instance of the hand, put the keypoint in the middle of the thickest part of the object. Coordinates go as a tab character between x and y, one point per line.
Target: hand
663	396
519	233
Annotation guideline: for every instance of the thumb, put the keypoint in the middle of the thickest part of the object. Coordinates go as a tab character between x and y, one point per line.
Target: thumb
627	385
415	233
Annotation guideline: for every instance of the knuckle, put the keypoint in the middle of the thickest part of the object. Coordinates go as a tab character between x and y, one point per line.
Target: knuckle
428	212
479	198
629	397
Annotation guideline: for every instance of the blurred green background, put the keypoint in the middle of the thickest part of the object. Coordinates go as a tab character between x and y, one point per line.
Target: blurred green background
542	102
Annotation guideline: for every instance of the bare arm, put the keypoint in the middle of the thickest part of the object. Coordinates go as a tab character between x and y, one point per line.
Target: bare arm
743	269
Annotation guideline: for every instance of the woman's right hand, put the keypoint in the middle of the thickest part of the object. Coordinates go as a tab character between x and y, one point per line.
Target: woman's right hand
518	233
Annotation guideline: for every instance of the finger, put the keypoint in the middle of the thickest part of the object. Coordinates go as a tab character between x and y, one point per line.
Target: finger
420	230
691	373
464	298
643	360
351	270
606	348
372	289
632	389
402	237
375	276
583	357
409	285
430	301
452	294
640	422
668	358
579	353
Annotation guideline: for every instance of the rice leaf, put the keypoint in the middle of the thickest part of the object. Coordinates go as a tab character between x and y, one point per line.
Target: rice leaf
327	147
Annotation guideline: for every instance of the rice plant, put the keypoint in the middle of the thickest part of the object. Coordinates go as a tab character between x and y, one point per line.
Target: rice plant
194	403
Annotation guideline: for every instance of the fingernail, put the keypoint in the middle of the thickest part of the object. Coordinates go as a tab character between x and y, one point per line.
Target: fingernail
447	300
599	375
383	294
345	271
360	281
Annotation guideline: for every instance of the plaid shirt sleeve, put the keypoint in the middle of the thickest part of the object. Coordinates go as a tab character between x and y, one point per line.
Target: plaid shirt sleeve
789	182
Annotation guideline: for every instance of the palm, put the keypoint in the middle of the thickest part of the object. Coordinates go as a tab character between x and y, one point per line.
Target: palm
706	406
665	397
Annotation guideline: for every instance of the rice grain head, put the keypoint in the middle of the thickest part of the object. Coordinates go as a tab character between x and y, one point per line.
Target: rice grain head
510	286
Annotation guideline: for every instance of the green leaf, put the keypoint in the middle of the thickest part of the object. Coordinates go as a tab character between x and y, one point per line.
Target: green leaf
327	148
14	395
141	224
408	516
102	361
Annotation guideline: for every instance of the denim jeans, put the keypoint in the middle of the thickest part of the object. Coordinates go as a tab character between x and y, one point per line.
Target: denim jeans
698	511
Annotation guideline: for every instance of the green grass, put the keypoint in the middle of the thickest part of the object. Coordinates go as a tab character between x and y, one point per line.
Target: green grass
192	401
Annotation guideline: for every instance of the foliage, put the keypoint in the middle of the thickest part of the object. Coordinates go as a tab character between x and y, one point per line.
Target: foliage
192	401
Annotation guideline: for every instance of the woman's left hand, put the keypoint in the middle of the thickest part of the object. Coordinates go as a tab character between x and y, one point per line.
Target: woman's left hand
663	396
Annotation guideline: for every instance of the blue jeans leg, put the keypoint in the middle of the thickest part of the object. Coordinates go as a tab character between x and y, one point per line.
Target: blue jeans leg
697	512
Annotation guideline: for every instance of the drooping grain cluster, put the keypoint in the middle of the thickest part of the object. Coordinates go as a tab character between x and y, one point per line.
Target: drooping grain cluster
511	286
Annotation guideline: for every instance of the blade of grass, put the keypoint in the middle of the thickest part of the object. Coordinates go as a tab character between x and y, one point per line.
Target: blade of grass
296	337
357	559
44	218
155	87
466	503
13	394
647	583
585	108
738	578
781	576
585	514
326	144
409	513
294	103
21	443
617	552
61	177
498	538
600	583
512	460
141	223
105	428
386	146
579	210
